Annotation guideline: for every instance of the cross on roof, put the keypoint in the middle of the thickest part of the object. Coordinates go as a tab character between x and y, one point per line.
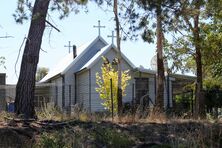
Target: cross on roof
99	27
112	36
69	46
6	36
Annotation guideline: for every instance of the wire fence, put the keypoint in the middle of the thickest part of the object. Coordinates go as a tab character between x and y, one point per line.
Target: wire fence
140	91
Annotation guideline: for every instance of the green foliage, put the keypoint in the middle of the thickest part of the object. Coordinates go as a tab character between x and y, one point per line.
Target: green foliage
41	73
181	52
213	97
63	138
212	82
212	48
52	141
22	7
64	7
181	55
104	84
183	102
83	135
141	16
213	94
112	138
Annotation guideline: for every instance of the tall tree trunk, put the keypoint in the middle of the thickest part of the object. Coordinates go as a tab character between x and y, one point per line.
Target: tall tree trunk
160	67
25	88
119	90
200	107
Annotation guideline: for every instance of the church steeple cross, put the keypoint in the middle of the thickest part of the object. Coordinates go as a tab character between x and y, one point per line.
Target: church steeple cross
69	46
99	27
112	36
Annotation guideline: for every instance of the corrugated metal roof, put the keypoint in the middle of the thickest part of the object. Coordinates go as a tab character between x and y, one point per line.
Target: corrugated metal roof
101	53
63	65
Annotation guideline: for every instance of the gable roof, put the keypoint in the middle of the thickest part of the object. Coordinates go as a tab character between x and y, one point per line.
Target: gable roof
102	52
67	62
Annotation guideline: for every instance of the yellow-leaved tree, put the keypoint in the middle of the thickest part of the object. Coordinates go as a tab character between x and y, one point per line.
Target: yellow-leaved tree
104	85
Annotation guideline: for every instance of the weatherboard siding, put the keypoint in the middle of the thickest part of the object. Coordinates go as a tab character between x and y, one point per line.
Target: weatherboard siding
2	92
96	102
83	89
58	92
152	90
69	75
171	95
165	93
69	89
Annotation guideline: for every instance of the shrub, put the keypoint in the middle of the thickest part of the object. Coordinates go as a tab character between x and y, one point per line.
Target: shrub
112	138
104	85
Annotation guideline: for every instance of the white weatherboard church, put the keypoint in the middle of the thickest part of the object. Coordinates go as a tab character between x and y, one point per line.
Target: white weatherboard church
75	78
78	70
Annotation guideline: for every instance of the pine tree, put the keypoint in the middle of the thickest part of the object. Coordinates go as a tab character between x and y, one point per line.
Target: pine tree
159	13
25	88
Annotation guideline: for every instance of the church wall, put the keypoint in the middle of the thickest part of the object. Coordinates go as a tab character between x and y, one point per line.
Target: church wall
69	75
171	95
166	93
152	93
152	89
95	99
82	80
69	84
2	92
58	91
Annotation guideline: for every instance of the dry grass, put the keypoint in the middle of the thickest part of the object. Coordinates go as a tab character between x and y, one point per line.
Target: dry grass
4	115
147	127
50	113
149	116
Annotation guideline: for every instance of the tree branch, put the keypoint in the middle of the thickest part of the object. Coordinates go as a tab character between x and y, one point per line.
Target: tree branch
52	26
188	22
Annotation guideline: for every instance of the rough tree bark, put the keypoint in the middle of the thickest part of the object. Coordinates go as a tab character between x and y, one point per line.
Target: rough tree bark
119	90
200	109
24	101
160	68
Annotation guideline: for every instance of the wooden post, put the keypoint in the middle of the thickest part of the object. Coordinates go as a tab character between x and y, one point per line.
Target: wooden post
111	92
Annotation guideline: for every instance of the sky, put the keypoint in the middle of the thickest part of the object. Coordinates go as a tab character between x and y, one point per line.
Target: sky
77	28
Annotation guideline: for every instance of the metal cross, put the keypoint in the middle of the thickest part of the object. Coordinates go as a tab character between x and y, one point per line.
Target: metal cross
99	26
112	36
6	36
69	46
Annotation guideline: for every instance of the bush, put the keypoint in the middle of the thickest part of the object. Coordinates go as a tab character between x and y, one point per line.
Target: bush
112	138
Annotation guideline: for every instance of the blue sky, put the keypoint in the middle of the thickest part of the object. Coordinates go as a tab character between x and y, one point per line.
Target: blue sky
77	28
